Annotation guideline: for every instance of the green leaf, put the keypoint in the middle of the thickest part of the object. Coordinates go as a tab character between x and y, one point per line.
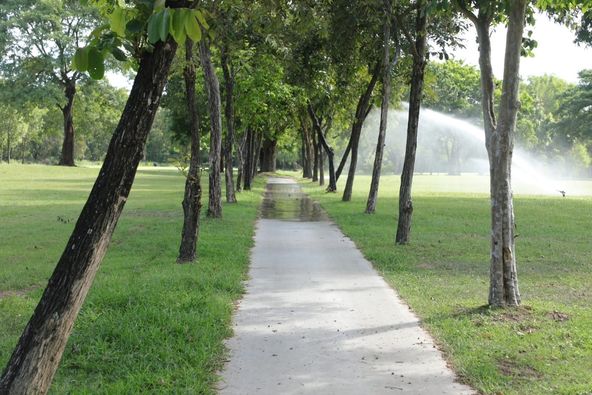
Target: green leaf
178	25
80	61
154	27
201	19
117	21
165	25
96	65
119	54
134	26
192	28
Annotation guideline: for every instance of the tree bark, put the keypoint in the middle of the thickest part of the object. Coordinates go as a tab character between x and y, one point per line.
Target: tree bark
499	141
213	89
321	164
316	123
315	156
306	149
387	66
248	167
343	159
268	155
229	115
257	149
240	150
8	148
192	197
67	158
417	78
362	110
39	350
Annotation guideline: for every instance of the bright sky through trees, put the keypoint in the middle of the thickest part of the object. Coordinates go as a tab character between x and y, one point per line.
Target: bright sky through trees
556	53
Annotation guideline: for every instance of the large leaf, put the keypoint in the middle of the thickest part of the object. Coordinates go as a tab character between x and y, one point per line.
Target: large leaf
117	21
96	64
192	28
154	24
119	54
178	25
200	17
80	61
165	25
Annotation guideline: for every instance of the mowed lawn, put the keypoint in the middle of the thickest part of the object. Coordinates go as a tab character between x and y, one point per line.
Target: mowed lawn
148	324
543	347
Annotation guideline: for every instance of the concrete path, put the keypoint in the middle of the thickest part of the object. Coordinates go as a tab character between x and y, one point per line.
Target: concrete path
317	319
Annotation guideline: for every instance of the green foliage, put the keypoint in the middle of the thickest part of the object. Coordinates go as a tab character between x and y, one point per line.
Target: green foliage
135	28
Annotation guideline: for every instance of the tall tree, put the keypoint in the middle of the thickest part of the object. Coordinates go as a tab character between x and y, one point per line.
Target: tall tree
192	197
388	62
40	40
213	90
499	137
35	359
418	51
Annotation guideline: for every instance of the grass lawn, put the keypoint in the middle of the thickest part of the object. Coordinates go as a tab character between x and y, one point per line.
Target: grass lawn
545	346
148	325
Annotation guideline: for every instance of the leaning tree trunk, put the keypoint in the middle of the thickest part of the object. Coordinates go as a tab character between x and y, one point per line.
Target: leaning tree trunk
192	198
39	350
229	114
387	66
362	111
67	158
213	90
417	78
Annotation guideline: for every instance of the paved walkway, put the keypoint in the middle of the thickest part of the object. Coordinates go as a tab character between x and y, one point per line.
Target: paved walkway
317	319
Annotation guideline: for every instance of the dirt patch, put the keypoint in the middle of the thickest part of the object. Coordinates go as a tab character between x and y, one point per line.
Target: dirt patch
511	368
557	316
425	266
18	292
514	314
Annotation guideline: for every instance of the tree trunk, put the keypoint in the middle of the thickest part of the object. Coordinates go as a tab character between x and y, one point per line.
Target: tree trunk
315	156
328	150
268	155
229	114
362	111
8	148
192	197
213	89
321	165
499	141
306	148
343	159
39	350
258	143
67	158
240	149
248	167
387	66
417	78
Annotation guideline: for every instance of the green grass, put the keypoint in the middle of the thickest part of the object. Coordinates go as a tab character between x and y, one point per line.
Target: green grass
544	346
148	325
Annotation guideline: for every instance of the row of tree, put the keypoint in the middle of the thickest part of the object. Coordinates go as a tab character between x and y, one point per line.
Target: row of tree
294	74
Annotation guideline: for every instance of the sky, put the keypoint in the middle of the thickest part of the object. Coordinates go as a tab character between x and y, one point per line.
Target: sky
556	53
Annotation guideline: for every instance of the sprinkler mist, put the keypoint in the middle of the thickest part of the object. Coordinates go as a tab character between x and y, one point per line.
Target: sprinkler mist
448	145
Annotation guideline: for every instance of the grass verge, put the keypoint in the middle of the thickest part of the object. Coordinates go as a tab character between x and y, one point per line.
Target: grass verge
545	346
148	325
